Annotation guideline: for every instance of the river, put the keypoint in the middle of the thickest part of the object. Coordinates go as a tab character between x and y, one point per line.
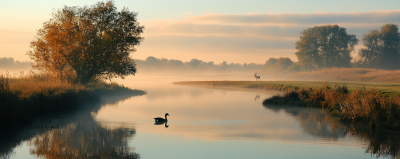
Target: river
204	122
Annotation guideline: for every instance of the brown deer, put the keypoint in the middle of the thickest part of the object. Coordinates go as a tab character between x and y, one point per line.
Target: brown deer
257	77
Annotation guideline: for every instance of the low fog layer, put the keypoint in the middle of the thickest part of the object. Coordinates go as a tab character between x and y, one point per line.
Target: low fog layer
194	66
12	66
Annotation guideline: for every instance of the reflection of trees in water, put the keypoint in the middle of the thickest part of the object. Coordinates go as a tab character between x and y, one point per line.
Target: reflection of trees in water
84	138
82	116
378	143
318	123
115	100
314	121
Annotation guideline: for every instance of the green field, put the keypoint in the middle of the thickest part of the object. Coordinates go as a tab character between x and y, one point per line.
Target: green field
388	88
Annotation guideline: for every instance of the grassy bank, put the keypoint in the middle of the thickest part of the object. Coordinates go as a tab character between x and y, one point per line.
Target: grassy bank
356	103
350	74
390	89
30	96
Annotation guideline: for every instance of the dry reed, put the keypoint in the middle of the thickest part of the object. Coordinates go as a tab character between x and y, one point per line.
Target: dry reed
25	85
366	107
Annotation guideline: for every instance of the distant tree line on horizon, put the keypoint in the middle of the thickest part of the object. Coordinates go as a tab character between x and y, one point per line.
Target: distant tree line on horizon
329	46
8	63
162	64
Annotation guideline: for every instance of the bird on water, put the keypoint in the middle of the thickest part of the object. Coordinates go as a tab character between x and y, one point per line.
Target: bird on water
159	119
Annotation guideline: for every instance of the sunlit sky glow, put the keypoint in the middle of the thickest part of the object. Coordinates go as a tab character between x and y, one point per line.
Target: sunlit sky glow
209	30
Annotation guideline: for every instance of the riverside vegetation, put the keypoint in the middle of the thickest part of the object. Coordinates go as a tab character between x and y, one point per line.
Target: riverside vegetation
27	97
361	105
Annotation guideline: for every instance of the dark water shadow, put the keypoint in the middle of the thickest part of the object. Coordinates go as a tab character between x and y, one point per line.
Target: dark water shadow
65	128
320	124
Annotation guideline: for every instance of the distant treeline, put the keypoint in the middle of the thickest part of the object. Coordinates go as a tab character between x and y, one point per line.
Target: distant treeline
10	64
329	46
162	64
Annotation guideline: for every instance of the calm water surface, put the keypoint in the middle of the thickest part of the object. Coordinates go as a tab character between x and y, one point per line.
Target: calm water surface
203	123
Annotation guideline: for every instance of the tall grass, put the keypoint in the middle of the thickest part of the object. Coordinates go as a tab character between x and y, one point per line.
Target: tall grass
25	85
27	96
362	106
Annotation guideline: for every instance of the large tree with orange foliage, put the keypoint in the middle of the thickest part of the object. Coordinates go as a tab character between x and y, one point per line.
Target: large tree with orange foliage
91	42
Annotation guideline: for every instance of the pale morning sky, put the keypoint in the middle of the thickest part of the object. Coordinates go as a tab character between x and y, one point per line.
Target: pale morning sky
209	30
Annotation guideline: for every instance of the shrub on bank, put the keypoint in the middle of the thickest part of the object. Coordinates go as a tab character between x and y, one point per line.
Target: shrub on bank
367	107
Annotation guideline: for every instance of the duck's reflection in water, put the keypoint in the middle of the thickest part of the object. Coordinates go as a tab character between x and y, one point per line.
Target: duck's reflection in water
161	123
320	124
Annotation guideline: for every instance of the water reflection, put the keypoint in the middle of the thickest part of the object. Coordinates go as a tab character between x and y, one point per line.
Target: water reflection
162	123
257	97
227	88
378	143
84	138
314	121
319	124
76	135
159	93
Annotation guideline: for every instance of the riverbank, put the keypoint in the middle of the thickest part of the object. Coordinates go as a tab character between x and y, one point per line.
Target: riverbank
24	99
343	74
362	106
356	103
389	88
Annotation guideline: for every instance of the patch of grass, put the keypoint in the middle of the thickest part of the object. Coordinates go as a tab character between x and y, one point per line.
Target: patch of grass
389	89
346	74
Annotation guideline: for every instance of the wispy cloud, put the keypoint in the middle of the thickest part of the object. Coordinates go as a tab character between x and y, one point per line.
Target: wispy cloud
250	35
300	19
214	37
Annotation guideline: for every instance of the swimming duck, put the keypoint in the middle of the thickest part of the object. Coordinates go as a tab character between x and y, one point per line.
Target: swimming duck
159	119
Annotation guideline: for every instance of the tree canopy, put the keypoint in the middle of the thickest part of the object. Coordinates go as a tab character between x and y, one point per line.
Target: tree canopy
91	42
325	46
381	48
283	63
278	64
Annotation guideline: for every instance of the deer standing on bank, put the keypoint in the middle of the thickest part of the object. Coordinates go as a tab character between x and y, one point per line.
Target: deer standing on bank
257	77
